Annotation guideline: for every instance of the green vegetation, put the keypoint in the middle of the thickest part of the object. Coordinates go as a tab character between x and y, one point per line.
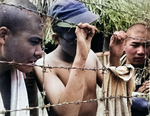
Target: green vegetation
114	14
119	14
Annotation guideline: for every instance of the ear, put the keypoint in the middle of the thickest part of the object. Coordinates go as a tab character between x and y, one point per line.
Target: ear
3	34
56	37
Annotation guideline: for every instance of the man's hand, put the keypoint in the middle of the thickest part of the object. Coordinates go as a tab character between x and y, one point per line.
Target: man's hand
117	43
145	88
116	47
84	33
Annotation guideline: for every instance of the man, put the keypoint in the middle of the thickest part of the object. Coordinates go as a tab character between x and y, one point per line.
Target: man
73	85
20	42
137	54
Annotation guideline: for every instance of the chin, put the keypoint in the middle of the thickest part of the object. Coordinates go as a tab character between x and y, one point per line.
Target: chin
140	65
73	55
24	69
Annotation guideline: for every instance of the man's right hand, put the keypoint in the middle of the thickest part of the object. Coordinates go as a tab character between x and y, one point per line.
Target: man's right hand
116	47
145	88
84	33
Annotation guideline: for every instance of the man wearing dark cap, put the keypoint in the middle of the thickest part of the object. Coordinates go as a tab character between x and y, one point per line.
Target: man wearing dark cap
73	85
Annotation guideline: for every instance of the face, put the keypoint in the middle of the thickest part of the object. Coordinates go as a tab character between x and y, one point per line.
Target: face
137	50
69	48
25	46
68	42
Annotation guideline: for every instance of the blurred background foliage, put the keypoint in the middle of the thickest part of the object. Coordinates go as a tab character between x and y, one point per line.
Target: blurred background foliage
118	15
114	14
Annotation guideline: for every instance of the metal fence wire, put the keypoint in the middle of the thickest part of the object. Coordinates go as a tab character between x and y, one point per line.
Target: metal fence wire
104	68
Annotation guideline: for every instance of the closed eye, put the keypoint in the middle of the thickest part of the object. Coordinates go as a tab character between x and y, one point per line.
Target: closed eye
35	40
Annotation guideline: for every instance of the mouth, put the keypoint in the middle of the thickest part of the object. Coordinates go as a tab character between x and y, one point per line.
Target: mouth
30	63
139	58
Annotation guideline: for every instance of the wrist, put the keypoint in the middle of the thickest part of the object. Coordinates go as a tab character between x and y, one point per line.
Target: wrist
114	61
79	62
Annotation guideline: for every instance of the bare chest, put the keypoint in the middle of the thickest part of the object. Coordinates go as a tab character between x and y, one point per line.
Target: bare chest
90	77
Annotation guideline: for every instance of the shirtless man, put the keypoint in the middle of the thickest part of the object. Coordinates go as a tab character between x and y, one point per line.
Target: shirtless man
63	85
20	42
136	52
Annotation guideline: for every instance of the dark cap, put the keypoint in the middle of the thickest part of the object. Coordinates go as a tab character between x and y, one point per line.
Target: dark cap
72	11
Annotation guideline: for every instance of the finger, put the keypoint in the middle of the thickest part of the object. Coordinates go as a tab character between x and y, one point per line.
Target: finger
88	28
79	26
115	36
146	82
147	86
82	29
79	30
92	31
147	90
121	36
141	89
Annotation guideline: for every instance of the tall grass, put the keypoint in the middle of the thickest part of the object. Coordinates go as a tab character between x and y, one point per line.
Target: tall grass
114	14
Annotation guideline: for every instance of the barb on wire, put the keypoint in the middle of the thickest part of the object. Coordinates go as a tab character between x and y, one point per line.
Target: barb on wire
60	67
72	24
68	68
44	14
57	19
76	102
50	67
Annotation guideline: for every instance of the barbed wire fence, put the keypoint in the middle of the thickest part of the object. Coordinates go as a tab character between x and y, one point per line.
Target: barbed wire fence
104	69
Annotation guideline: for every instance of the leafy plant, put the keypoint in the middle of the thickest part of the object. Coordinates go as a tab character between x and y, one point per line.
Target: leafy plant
119	14
114	14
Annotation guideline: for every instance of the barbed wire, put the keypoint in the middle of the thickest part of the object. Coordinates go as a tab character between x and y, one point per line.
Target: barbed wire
73	24
50	67
62	67
68	68
145	96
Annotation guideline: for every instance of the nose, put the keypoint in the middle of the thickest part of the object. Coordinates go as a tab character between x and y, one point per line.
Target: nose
38	52
141	50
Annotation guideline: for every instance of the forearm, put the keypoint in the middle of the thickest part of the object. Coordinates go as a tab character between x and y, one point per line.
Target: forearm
74	90
116	47
114	61
75	82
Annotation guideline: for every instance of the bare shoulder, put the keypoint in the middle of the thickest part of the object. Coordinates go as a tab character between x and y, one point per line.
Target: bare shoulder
93	55
47	60
93	59
41	68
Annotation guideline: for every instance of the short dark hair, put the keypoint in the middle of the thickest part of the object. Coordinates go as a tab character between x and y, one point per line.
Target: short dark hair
136	25
13	18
